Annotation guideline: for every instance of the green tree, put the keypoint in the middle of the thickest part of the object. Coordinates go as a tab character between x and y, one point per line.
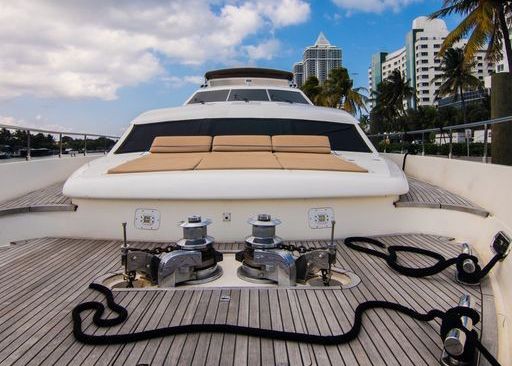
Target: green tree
338	92
485	20
397	90
457	76
312	89
389	100
364	122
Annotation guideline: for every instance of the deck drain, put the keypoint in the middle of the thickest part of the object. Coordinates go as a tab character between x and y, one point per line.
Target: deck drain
345	279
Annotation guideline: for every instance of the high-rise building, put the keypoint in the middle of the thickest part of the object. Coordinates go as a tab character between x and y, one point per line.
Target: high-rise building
298	73
502	65
317	60
419	63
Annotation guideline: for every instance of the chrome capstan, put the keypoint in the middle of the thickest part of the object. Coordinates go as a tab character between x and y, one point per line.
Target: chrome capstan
193	260
262	259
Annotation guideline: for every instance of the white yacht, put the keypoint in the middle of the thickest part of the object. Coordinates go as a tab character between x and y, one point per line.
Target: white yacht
246	135
249	226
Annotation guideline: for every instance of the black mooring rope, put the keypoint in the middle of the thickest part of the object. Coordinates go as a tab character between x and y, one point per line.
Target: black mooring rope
442	263
450	319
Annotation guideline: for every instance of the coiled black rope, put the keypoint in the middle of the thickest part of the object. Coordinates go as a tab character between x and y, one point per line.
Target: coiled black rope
442	263
450	319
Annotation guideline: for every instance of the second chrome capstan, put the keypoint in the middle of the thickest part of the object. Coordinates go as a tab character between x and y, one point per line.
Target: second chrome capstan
266	259
262	259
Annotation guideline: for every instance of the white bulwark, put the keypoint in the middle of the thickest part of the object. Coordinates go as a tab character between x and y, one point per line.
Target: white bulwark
317	60
418	61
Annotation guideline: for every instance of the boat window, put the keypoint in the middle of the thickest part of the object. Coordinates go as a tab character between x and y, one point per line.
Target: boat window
286	96
210	96
246	95
342	136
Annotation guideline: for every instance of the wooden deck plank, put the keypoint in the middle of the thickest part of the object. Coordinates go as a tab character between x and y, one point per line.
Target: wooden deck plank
203	343
42	200
228	345
215	346
32	320
241	353
171	318
276	322
323	327
254	344
292	348
426	195
37	327
76	353
267	345
319	351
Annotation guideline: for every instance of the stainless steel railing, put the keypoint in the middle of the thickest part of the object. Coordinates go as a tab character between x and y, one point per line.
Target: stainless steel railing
448	130
29	130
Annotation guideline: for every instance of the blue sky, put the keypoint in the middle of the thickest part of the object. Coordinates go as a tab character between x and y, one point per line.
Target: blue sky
94	65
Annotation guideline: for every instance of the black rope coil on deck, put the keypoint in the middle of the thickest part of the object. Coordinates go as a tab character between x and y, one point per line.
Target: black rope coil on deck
442	263
450	319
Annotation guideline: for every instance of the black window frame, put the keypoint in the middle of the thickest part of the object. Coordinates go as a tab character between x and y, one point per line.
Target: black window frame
296	97
209	92
342	136
247	97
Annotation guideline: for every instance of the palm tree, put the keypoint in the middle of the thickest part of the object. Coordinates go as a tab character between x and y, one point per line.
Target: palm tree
389	101
312	89
395	91
456	73
485	20
338	92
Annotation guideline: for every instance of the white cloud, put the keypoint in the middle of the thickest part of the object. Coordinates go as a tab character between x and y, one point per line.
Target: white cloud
285	12
39	122
92	48
263	51
179	81
373	6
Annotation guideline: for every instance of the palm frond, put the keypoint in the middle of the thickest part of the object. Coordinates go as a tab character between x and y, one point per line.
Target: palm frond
465	27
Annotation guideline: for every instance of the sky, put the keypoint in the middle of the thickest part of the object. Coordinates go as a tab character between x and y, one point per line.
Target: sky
94	65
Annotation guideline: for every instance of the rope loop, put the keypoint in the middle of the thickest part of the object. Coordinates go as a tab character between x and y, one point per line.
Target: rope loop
441	263
450	319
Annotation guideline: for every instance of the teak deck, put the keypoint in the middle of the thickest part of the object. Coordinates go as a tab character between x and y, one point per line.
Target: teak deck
43	200
43	279
423	194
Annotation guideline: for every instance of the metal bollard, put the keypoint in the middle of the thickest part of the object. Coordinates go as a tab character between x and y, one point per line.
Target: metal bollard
455	340
468	264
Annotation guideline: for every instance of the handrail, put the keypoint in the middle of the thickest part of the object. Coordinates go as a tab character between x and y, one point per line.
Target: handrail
60	133
446	128
449	130
67	133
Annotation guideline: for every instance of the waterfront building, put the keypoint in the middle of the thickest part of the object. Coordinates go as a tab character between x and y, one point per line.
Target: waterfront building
419	63
317	60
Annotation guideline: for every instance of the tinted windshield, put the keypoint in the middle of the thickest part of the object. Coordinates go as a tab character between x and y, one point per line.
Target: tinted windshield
286	96
209	96
342	136
247	95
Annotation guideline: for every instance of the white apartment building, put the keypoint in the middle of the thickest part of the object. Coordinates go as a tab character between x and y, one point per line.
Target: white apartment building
418	61
502	65
394	61
317	60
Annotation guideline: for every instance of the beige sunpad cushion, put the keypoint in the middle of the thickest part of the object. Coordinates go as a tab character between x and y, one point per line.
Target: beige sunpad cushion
159	163
242	143
181	144
303	161
239	160
301	144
